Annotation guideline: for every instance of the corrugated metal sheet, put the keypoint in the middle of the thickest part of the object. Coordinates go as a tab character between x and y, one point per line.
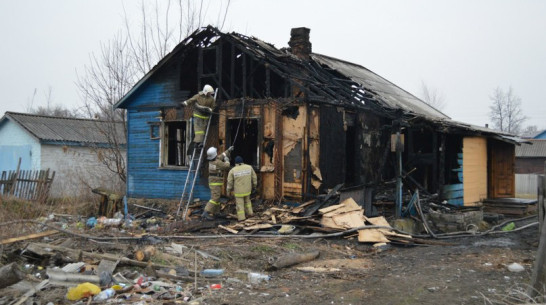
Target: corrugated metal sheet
536	149
65	130
526	185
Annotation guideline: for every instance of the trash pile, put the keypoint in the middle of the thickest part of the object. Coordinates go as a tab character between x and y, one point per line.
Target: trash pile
126	273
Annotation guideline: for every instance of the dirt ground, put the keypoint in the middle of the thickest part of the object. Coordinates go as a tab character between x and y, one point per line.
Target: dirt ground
470	270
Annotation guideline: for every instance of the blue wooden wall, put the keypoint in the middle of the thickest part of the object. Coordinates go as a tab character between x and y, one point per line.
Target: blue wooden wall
145	178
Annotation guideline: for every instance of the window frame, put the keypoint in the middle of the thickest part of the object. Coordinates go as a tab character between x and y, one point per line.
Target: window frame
165	142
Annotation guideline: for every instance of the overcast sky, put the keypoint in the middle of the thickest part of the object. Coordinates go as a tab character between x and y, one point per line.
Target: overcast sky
463	49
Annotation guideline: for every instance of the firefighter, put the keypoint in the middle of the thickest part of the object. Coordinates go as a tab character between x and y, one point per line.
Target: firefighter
204	104
217	166
242	180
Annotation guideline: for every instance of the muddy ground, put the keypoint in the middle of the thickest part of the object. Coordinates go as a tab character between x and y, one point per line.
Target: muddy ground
470	270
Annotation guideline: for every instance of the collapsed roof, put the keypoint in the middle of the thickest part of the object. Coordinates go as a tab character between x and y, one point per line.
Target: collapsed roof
327	80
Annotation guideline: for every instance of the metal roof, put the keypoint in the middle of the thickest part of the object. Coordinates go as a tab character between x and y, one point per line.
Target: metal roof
537	149
66	130
384	91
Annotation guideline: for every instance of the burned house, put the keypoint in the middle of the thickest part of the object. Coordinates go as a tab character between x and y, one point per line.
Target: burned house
306	122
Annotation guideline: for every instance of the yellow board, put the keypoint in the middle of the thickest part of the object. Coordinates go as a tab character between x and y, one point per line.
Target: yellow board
474	170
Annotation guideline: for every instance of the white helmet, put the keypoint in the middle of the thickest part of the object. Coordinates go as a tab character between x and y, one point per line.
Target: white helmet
208	89
211	153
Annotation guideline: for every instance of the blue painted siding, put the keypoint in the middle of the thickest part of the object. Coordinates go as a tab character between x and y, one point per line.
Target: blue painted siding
454	193
145	178
541	136
17	143
149	94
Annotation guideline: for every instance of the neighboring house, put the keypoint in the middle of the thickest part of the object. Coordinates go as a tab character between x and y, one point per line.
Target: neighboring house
541	135
530	162
306	122
73	148
531	158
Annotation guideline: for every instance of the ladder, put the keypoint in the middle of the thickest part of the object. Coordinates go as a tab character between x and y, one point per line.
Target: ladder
193	173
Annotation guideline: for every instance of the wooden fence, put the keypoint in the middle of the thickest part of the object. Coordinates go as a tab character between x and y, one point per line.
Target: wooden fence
538	277
32	185
526	185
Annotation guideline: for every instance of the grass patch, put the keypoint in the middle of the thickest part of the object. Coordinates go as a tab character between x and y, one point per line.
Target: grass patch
291	246
262	249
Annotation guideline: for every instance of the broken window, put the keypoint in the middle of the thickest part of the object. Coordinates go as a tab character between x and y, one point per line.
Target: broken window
175	140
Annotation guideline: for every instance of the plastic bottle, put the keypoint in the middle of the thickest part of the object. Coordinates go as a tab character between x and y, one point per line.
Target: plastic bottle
105	295
212	272
109	222
256	278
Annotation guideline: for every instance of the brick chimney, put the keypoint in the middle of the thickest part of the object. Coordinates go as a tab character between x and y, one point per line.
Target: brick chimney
299	42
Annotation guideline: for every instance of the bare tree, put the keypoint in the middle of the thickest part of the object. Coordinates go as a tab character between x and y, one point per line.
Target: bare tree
529	131
51	109
432	97
55	110
506	113
128	56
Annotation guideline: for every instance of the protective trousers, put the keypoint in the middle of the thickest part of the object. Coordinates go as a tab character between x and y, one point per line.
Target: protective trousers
243	205
213	206
199	126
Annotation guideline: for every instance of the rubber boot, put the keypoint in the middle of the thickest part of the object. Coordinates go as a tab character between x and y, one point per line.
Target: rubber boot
207	216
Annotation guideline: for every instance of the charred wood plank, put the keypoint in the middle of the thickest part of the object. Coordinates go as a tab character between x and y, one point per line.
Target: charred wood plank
193	226
311	210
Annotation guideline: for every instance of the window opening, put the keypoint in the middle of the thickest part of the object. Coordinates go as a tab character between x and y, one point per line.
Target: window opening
209	61
246	143
176	143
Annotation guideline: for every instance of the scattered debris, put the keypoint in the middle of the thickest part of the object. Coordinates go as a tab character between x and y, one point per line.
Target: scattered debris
9	274
292	259
515	267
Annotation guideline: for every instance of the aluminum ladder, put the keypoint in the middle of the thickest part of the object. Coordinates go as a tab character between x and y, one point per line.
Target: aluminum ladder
193	173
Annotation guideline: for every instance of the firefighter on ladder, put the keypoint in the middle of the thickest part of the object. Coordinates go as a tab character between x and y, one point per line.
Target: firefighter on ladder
204	104
218	165
242	180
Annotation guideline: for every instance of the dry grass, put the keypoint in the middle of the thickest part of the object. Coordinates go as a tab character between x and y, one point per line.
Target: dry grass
516	295
15	209
12	209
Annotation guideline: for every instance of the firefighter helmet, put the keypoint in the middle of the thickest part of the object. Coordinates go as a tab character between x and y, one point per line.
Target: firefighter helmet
208	89
211	153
